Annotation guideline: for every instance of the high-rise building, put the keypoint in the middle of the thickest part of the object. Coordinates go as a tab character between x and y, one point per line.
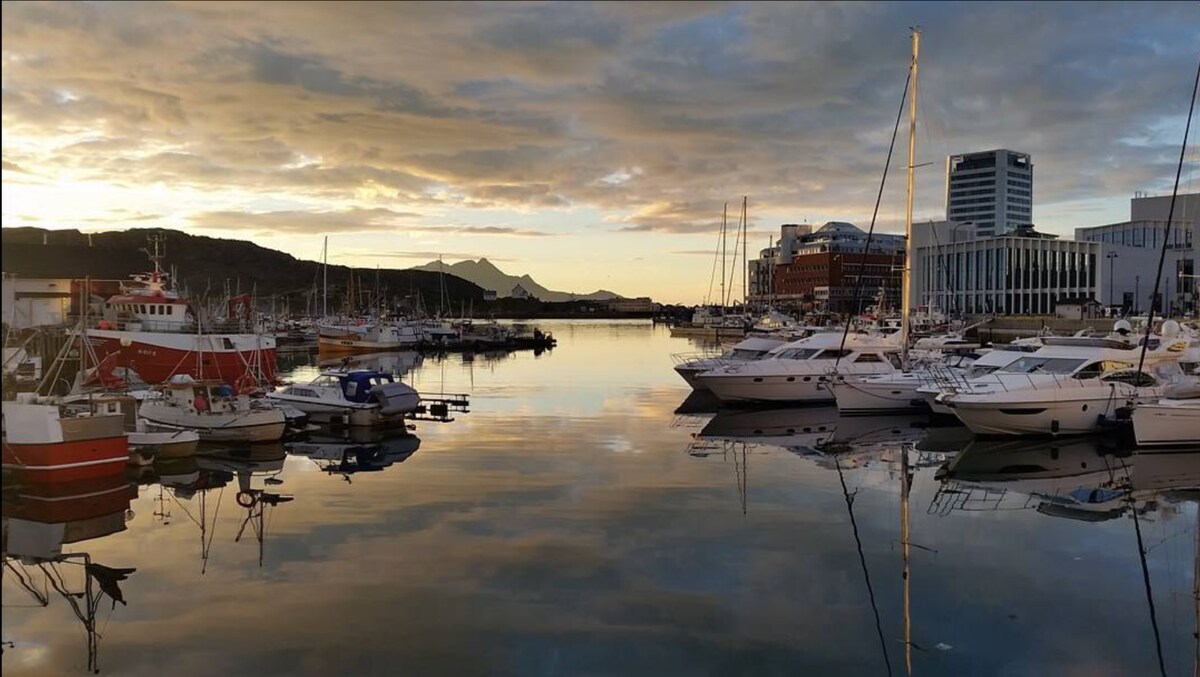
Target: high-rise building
993	190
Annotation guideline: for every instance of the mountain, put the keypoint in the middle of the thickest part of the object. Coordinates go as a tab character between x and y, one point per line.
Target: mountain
206	264
485	274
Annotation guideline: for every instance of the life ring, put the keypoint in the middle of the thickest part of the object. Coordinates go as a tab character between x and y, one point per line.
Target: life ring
251	499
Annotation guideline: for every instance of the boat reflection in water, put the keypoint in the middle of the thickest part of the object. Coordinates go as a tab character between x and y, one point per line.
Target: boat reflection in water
40	521
360	450
257	468
395	363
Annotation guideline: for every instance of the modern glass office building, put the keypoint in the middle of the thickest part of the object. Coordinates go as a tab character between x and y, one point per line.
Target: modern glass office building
991	189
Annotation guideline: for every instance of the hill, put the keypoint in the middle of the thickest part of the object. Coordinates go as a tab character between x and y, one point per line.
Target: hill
485	274
207	265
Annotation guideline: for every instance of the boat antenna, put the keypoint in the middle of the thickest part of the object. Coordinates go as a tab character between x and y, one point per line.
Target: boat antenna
745	256
724	249
1162	254
874	215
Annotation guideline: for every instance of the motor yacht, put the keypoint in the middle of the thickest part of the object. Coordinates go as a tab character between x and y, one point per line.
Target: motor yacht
896	392
1171	421
801	371
1072	385
689	366
989	360
361	397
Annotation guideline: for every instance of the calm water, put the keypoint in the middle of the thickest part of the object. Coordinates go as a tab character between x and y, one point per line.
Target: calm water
579	520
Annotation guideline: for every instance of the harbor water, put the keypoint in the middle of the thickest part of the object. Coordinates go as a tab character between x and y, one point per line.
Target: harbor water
588	517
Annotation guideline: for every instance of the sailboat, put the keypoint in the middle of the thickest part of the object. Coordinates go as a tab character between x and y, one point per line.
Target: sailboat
894	391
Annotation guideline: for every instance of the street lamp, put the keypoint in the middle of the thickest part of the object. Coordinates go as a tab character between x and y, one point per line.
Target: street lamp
1111	256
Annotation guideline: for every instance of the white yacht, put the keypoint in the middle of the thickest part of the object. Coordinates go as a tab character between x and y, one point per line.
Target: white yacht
1071	386
896	392
214	411
688	366
1172	421
945	381
802	370
362	397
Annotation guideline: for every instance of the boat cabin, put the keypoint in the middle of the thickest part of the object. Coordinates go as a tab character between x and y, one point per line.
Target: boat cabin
202	396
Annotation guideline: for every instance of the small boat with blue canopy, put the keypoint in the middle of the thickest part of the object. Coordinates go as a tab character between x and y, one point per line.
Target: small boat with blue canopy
360	397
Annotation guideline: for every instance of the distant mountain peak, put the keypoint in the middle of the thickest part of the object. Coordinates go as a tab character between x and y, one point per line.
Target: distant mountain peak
485	274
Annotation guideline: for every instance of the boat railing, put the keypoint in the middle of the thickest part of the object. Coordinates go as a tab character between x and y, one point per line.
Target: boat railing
684	358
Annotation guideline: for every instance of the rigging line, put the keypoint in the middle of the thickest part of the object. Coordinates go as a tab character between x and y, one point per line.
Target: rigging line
1162	254
1137	527
878	198
862	560
713	275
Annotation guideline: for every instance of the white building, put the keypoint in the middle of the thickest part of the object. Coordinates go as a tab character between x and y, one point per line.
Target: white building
519	292
33	302
1146	229
992	189
1023	273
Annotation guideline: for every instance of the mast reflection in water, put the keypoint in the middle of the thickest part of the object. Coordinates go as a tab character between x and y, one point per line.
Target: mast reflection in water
560	528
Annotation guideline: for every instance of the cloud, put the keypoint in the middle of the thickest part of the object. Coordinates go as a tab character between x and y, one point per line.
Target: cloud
303	222
644	117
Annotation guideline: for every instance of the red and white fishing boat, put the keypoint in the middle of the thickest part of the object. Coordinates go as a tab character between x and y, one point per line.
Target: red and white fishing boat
45	443
152	330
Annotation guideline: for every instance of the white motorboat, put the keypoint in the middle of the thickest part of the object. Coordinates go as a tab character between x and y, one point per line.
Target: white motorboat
946	381
689	366
358	398
1071	386
896	392
214	411
1172	421
801	371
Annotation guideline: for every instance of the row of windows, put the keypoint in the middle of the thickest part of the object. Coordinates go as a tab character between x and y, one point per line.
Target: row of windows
1012	199
142	308
974	201
1143	236
972	175
1020	183
969	182
955	192
970	214
1019	208
1017	191
1009	269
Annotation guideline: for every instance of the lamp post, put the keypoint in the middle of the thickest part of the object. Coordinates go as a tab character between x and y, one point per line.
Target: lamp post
1111	256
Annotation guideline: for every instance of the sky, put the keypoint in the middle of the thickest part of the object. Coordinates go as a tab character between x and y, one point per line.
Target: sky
591	145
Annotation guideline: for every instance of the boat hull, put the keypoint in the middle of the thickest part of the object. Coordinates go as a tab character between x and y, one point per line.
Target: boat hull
253	426
760	388
1076	416
1159	425
157	356
867	397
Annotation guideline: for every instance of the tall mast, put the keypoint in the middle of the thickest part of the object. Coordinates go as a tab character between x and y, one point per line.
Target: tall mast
905	480
745	259
325	278
905	306
724	224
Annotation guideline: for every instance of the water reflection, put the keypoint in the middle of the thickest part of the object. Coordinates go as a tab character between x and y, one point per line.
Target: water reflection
39	521
357	450
559	529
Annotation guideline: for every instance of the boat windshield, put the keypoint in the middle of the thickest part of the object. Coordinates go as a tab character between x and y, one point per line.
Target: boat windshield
743	354
980	370
796	354
325	380
1044	365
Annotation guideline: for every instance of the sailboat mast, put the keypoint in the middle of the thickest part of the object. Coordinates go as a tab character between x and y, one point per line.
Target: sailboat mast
325	278
745	259
724	249
904	493
905	306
